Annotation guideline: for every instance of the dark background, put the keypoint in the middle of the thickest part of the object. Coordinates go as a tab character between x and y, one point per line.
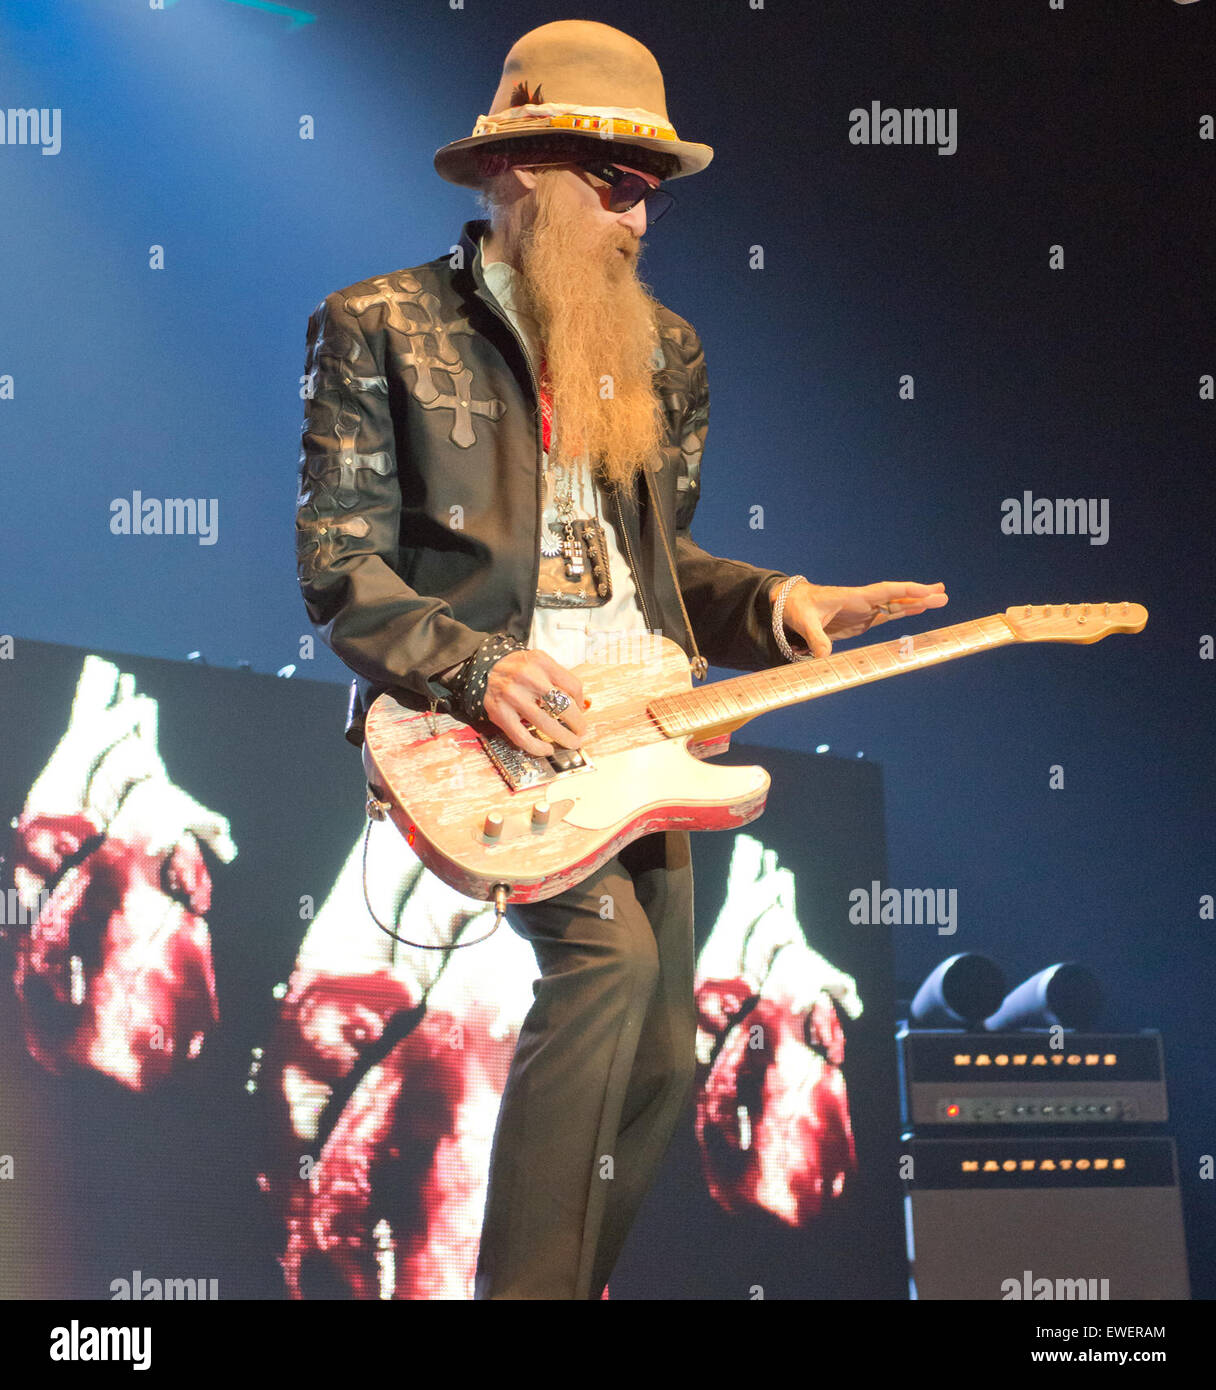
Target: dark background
1077	128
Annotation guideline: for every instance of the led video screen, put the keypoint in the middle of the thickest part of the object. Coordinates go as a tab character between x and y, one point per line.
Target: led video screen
220	1079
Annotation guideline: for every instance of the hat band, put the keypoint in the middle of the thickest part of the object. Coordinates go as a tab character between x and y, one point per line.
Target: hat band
604	121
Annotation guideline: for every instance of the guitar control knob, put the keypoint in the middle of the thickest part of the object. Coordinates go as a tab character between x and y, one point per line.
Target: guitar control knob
540	816
492	828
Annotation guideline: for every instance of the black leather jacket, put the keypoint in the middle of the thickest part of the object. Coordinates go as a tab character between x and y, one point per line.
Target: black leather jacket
418	518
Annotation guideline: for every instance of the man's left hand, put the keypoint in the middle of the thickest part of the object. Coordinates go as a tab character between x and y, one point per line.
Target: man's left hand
821	612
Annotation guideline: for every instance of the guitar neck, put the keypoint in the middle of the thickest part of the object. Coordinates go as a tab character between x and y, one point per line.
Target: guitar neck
727	704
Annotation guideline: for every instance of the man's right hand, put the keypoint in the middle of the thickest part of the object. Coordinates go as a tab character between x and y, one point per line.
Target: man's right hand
514	686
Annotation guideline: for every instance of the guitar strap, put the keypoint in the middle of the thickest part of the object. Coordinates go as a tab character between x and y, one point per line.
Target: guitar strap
700	667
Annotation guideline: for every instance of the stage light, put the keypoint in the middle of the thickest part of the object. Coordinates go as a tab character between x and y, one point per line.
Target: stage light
1066	995
960	993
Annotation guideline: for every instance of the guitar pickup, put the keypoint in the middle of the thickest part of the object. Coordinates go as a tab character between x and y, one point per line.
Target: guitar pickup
566	759
521	769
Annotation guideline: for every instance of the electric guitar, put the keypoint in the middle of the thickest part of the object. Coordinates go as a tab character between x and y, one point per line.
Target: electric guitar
495	822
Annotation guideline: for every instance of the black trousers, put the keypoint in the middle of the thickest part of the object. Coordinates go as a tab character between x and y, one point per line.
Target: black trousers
602	1069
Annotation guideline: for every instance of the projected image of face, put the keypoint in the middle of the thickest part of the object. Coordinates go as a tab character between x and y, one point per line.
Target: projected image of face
384	1079
113	966
386	1110
385	1068
772	1109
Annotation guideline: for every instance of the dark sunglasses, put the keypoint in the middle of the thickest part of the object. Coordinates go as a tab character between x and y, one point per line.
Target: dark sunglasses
626	190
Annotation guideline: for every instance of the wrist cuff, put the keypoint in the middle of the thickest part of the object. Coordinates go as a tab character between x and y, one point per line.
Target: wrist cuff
468	685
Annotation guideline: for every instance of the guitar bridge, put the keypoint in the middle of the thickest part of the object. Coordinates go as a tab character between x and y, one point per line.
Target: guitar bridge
521	769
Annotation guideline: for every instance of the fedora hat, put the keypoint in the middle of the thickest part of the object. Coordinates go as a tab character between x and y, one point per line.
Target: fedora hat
577	82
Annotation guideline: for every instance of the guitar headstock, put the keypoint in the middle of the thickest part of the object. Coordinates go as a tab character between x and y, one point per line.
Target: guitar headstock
1074	622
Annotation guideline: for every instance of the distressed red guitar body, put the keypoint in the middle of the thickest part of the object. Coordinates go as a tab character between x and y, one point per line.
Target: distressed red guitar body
443	779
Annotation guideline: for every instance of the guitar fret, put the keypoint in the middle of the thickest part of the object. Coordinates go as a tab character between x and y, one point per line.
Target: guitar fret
740	698
886	660
845	659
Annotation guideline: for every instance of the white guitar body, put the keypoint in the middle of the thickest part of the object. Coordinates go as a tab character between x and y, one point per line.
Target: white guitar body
442	783
486	816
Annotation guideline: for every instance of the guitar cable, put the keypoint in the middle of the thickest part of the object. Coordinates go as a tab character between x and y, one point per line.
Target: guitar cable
500	898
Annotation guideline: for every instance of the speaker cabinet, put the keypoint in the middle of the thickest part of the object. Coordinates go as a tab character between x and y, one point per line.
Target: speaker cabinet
1044	1219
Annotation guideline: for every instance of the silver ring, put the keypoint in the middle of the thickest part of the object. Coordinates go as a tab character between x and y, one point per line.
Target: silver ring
554	702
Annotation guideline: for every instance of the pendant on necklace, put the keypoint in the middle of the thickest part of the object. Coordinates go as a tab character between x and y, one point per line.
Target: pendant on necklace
572	549
550	534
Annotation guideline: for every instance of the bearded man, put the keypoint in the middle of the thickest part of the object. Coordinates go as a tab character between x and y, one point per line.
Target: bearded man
501	459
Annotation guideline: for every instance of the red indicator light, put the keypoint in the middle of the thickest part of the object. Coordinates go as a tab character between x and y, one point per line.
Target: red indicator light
951	1111
409	839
